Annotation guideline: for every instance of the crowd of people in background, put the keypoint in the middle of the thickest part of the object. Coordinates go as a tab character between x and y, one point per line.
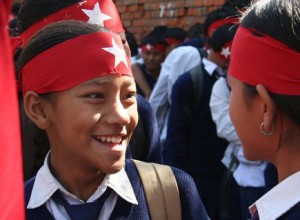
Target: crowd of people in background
198	94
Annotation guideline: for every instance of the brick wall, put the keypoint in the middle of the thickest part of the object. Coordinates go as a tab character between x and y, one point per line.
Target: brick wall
140	16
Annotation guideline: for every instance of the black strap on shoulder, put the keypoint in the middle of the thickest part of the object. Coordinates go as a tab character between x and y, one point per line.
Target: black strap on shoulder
197	77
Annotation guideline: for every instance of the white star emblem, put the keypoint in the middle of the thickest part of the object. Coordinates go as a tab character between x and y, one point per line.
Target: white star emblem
225	52
96	16
119	53
149	46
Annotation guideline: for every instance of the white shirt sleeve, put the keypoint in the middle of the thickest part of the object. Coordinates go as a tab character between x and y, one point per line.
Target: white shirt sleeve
219	106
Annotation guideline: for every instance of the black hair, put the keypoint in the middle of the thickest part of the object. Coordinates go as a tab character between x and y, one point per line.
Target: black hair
227	11
133	45
158	30
221	36
54	34
175	32
262	17
196	30
32	11
239	4
153	39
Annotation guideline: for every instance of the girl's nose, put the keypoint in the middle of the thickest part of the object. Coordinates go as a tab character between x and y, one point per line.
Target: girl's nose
118	114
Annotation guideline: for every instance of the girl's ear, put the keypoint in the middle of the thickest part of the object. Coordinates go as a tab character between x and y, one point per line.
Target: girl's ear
270	109
34	107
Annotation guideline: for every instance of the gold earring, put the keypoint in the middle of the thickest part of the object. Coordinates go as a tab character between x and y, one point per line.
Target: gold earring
268	133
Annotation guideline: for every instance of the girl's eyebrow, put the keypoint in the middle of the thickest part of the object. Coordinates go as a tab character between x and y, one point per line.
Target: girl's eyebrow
103	82
98	82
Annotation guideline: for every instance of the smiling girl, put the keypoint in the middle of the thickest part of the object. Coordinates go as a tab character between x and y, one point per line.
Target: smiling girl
78	87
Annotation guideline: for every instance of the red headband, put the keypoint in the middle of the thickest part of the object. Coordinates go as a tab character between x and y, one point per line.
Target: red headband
154	47
74	61
225	52
172	41
215	25
101	12
264	60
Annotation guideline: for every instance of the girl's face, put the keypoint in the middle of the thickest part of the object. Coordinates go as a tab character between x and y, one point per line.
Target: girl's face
246	117
91	124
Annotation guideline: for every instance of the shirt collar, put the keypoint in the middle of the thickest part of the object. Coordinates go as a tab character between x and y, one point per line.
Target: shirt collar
211	67
279	199
46	185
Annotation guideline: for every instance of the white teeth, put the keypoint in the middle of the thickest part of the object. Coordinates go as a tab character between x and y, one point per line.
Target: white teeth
110	139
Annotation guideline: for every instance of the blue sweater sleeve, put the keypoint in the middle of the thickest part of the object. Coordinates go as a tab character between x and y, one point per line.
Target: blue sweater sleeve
180	122
191	205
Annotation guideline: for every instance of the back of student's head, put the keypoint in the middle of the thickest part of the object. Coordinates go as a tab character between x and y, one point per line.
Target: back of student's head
239	4
221	36
279	19
225	13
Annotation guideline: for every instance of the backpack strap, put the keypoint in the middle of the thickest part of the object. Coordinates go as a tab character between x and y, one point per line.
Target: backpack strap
197	78
161	190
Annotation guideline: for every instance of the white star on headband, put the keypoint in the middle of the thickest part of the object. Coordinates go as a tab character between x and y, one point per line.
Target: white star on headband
225	52
149	46
96	16
119	53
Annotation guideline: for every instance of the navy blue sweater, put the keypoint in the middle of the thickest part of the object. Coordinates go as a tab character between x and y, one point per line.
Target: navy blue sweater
145	144
192	141
192	207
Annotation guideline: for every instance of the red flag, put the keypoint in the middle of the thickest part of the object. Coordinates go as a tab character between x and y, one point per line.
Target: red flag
11	173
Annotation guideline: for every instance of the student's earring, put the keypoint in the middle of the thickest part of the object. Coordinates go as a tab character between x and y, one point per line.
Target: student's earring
266	133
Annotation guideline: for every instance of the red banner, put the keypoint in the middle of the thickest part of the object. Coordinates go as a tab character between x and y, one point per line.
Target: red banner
11	173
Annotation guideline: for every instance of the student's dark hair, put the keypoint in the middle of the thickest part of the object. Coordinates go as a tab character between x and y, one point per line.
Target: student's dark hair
261	17
196	30
175	32
239	4
133	45
221	36
153	39
220	13
32	11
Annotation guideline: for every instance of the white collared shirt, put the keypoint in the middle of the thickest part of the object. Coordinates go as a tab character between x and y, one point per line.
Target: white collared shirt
279	199
211	67
46	185
178	61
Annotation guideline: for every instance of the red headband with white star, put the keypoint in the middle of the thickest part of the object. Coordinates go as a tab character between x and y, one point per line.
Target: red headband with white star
215	25
100	12
264	60
75	61
225	52
154	47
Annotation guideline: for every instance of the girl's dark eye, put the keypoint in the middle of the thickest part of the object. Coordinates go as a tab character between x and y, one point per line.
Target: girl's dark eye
95	95
131	95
